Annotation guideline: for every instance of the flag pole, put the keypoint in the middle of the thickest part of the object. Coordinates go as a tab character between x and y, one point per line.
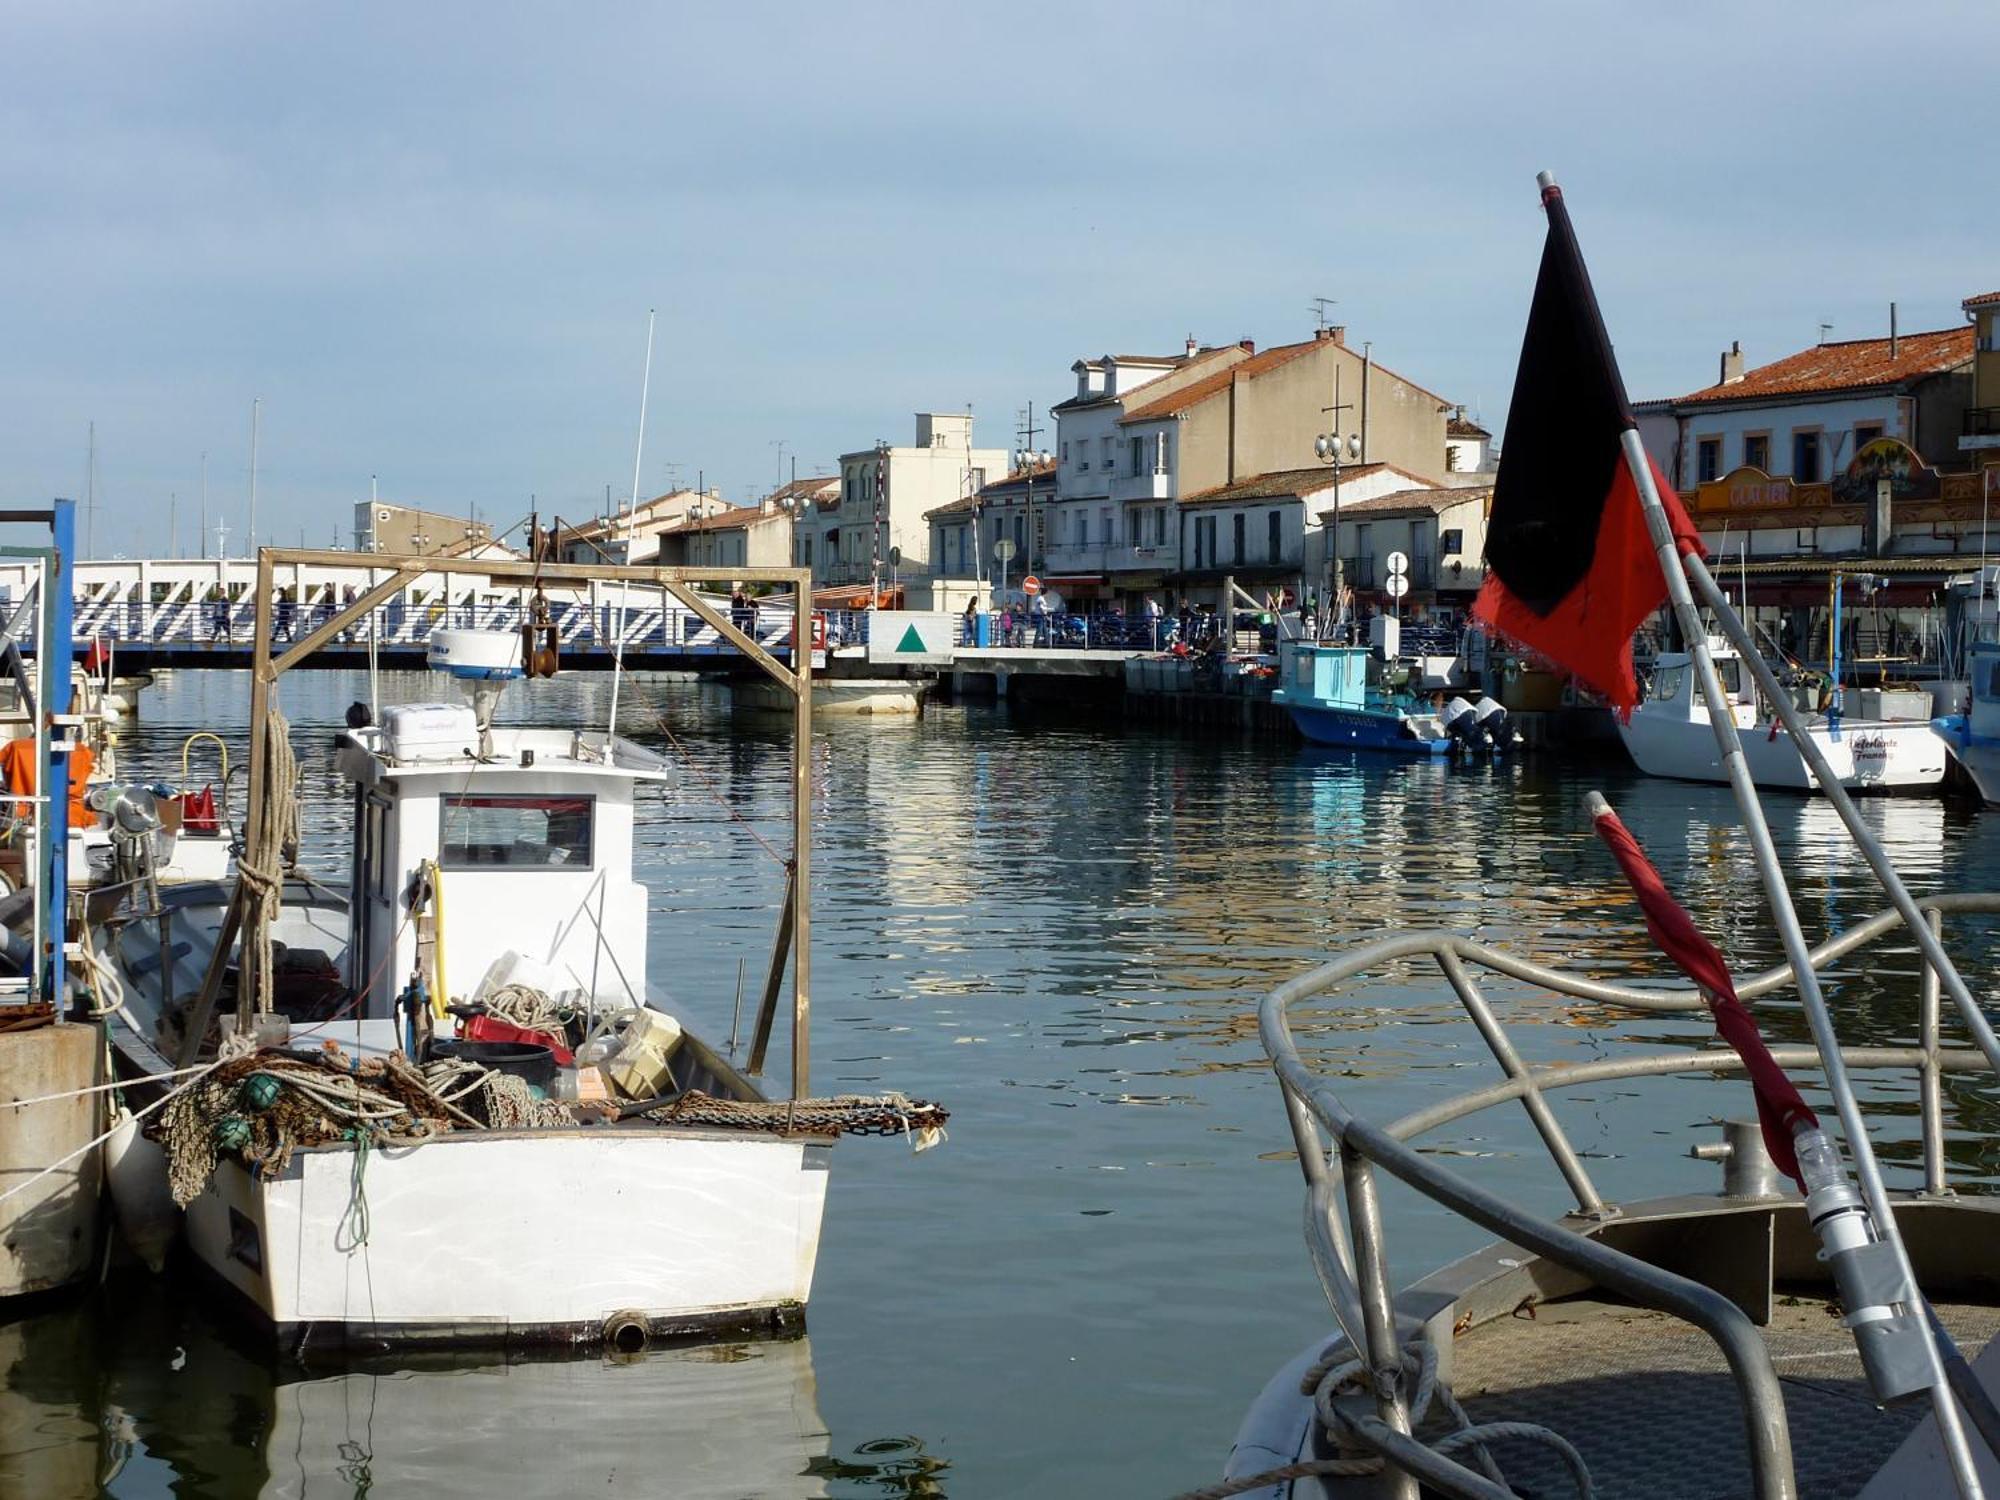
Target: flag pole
1797	952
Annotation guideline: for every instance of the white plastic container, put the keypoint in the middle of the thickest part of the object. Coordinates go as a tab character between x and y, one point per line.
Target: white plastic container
516	968
639	1071
429	731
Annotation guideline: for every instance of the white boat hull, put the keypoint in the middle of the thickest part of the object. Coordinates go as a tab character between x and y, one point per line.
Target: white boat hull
531	1237
1869	755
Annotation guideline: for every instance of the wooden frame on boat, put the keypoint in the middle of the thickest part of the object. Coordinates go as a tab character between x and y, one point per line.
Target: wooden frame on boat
795	922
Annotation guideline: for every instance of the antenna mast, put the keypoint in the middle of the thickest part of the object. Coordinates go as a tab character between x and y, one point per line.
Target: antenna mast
631	526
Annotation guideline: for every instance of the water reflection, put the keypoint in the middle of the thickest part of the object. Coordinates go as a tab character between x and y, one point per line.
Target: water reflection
1063	935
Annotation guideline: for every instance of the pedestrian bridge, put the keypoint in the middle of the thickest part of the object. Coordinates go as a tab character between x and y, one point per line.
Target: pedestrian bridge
201	612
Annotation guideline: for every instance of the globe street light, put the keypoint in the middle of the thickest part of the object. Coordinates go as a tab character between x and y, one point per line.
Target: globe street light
1331	448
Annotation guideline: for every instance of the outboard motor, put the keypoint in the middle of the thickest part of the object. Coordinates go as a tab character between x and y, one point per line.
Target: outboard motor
1461	722
1494	724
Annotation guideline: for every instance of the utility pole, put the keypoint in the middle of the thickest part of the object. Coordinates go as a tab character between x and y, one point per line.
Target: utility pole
173	525
201	537
781	445
90	496
1328	445
1027	433
256	405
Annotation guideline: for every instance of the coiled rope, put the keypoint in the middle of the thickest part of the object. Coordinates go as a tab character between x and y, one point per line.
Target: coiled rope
260	870
1343	1373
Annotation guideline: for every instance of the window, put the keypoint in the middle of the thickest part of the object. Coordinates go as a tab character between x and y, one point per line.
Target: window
1082	454
1236	530
479	832
1275	539
1204	543
1160	527
1020	533
1138	456
1104	451
1083	528
1866	433
1805	457
1666	685
1451	542
1708	460
1757	450
1104	522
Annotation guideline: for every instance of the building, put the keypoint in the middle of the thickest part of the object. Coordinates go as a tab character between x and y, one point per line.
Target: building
885	496
1440	530
749	536
965	534
382	527
1980	435
1129	456
1803	418
1268	533
603	538
1468	447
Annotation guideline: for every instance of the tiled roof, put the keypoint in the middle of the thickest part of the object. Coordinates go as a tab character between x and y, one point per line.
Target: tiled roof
1200	390
1984	299
1460	427
999	489
1855	364
806	489
725	520
1428	502
1282	483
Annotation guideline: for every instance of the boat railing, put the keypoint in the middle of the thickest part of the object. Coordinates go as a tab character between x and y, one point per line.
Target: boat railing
1351	1256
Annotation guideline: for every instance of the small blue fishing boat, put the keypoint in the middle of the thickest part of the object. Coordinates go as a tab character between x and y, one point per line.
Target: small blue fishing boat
1332	701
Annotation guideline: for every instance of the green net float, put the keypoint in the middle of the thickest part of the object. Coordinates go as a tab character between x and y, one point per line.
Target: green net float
232	1133
259	1092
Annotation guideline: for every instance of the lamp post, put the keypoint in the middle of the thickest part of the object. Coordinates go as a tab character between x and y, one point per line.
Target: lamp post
1331	448
1028	460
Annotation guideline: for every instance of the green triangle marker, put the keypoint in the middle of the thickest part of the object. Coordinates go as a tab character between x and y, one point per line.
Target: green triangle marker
911	641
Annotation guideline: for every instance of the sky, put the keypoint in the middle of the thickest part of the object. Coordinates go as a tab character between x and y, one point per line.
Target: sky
425	239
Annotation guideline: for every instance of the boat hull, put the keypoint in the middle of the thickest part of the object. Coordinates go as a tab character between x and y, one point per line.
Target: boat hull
1876	755
1979	758
1359	729
567	1236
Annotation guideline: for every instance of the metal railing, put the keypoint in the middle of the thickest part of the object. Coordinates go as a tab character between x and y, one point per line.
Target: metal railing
1982	421
1352	1261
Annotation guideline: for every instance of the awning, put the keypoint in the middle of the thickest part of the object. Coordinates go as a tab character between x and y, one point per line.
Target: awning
1072	579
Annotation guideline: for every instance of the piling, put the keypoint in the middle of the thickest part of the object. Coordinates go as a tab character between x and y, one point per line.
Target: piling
48	1231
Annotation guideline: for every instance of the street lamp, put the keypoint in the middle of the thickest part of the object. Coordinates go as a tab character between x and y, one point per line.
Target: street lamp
1332	448
1028	460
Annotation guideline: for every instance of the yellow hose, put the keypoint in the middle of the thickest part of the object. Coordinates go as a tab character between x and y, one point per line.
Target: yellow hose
439	996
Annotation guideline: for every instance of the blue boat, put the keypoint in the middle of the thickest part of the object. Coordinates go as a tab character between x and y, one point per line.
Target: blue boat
1326	688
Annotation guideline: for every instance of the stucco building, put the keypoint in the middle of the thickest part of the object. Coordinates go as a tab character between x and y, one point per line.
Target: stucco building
755	536
382	527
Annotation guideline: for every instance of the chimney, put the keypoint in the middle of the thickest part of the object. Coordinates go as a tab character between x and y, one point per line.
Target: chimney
1248	346
1192	346
1338	333
1732	363
1894	343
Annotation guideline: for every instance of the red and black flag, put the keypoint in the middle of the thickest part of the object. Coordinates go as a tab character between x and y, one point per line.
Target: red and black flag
1570	568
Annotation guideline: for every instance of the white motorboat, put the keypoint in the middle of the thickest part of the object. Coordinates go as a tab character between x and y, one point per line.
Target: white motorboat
1669	734
423	1202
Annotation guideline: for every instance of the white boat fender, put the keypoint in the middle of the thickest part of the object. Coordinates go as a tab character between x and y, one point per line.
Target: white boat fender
136	1170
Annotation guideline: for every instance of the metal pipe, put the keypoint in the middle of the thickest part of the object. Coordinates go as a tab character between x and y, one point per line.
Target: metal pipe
1864	838
1929	1084
1553	1138
1378	1311
1326	1237
1778	896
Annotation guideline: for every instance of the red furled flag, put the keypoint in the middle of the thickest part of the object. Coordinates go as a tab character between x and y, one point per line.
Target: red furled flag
1571	571
1779	1108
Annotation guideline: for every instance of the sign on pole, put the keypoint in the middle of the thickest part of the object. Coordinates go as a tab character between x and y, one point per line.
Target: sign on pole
1399	564
1396	585
909	638
1031	585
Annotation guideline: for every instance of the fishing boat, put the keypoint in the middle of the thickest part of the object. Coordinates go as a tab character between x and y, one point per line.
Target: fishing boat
1334	699
1972	738
446	1105
1669	734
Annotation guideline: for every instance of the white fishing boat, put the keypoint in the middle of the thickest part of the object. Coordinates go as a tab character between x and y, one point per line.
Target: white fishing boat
575	1164
1669	734
1973	737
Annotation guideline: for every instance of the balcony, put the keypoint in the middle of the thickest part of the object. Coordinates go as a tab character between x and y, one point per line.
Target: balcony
1981	428
1149	485
1161	559
1066	557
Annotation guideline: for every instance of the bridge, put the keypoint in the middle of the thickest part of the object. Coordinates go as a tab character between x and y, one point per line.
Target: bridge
201	613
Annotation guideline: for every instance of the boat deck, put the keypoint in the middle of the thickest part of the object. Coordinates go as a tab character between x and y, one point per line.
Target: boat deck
1648	1401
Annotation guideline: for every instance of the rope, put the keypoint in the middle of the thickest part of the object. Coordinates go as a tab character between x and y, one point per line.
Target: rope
714	791
1343	1373
845	1114
260	871
531	1010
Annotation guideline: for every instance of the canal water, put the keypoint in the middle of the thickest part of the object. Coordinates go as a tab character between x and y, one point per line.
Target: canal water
1060	933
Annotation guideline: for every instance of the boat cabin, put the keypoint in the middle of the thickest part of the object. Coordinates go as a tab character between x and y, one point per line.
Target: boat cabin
1325	676
1674	689
471	843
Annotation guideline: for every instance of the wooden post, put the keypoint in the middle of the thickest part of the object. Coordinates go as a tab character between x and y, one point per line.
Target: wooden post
248	1000
802	836
774	980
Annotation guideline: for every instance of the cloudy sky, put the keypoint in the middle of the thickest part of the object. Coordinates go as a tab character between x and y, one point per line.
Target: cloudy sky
426	236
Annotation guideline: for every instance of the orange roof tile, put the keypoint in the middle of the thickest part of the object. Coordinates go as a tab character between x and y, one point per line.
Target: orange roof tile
1855	364
1984	299
1200	390
1282	483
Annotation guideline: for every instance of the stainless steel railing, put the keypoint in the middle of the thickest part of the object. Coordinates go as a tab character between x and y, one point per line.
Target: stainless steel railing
1351	1258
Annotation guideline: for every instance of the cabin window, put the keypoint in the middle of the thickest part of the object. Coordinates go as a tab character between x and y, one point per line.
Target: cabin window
1666	684
484	832
1989	680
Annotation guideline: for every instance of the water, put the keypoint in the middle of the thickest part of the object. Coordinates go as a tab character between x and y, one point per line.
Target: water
1060	933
